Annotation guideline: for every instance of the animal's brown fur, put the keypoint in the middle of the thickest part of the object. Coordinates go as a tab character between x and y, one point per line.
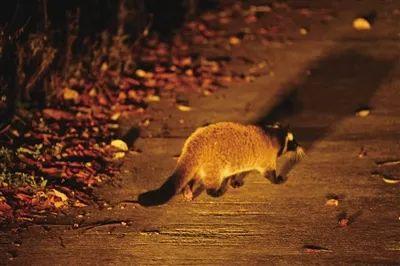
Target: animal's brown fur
224	149
214	153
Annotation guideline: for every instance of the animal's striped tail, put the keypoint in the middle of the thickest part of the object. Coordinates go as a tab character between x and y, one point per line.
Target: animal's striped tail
174	185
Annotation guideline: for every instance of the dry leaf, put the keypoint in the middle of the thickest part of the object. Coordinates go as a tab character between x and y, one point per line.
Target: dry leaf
361	24
4	207
58	194
388	162
119	144
115	116
189	72
234	40
93	92
303	31
153	98
132	94
390	180
104	67
57	114
314	249
140	73
118	155
332	202
145	122
363	112
70	94
79	204
362	153
58	204
224	20
184	108
207	92
250	19
343	222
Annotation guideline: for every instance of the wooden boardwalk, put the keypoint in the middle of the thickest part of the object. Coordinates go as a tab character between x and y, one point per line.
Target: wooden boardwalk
318	85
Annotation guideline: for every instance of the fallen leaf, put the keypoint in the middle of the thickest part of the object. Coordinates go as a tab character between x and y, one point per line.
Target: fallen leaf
310	249
58	194
58	204
224	20
104	67
305	12
79	204
343	222
362	153
122	96
234	40
183	108
93	92
332	202
387	179
250	19
390	180
140	73
189	72
153	98
132	94
115	116
303	31
57	114
207	92
363	112
24	197
260	9
4	207
388	162
361	24
118	155
70	94
145	123
119	144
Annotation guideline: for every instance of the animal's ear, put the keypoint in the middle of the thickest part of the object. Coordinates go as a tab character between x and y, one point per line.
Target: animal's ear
274	125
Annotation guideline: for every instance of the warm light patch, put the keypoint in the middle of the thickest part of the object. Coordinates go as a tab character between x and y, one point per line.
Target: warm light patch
290	136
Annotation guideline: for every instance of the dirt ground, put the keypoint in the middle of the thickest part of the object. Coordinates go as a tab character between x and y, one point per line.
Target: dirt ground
315	83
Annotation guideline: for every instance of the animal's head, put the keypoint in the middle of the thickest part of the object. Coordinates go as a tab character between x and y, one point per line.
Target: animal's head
287	142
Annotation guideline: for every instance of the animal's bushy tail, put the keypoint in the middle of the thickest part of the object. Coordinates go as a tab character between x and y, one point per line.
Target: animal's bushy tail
166	192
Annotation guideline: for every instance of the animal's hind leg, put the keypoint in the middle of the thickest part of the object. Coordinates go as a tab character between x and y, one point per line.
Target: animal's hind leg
221	190
188	191
238	180
193	189
198	190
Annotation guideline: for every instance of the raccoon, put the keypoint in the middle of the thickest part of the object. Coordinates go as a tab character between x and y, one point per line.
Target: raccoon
223	153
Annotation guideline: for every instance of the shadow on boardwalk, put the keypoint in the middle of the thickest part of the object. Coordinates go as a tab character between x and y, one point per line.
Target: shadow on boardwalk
337	86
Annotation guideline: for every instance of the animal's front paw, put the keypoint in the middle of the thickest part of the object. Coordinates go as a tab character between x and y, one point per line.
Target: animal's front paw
214	193
279	180
237	183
